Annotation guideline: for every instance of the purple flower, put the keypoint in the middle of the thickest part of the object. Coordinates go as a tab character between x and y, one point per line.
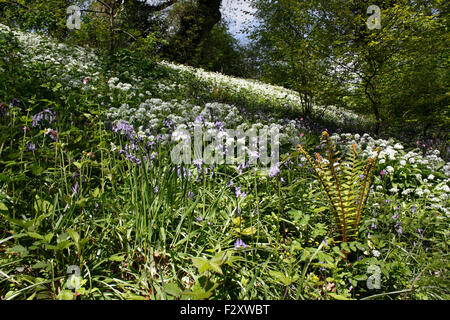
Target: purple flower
373	226
133	158
154	155
240	193
413	208
219	125
200	118
46	114
274	171
199	219
75	188
168	123
156	190
30	147
241	167
420	231
125	128
239	244
131	147
322	268
400	230
160	137
198	163
14	103
53	134
383	172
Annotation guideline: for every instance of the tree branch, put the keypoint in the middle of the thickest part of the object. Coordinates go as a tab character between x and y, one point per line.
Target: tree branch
159	7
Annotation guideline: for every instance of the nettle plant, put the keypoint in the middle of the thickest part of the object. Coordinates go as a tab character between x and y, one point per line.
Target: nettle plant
346	182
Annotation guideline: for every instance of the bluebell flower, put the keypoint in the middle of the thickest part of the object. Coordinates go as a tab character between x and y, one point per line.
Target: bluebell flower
14	103
219	125
75	189
241	167
125	128
168	123
239	244
240	193
30	146
322	268
53	134
46	114
198	163
200	118
274	171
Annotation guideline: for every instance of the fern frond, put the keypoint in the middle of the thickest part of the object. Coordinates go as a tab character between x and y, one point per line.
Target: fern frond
346	182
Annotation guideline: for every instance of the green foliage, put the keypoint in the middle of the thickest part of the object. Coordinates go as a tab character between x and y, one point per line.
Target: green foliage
48	16
149	232
192	21
346	183
220	52
324	50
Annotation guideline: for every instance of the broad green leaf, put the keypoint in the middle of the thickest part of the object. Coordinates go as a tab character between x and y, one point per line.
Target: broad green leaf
66	295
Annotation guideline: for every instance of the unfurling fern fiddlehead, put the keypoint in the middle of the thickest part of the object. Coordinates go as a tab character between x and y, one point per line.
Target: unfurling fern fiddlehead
346	183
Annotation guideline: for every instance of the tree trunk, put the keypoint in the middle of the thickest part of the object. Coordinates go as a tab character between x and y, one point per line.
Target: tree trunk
111	31
196	23
372	96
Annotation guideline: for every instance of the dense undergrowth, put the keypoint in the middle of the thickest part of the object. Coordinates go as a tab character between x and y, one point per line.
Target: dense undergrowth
87	183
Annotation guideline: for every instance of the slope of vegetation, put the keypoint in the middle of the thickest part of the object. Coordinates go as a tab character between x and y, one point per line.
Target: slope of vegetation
87	183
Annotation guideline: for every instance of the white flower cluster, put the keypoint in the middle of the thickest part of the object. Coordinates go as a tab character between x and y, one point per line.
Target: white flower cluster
155	116
114	83
391	152
428	187
277	96
67	64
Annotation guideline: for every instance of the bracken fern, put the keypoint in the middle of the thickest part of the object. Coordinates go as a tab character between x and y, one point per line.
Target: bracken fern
346	182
